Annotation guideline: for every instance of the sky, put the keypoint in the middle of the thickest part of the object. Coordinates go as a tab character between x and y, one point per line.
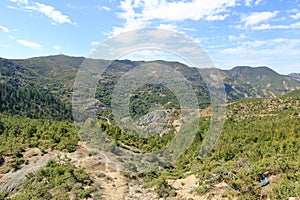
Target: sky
231	32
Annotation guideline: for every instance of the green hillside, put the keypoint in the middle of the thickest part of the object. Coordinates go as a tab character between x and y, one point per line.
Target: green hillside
261	137
260	82
53	73
261	134
32	102
57	74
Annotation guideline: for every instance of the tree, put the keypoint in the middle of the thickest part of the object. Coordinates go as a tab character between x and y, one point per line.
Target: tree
2	127
1	160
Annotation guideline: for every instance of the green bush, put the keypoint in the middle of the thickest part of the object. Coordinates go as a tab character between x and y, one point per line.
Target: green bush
288	186
164	190
58	178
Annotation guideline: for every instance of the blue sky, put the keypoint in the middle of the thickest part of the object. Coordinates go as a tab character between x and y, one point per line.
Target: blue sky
232	32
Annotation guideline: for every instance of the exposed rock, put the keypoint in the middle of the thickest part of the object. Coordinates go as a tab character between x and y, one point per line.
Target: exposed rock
14	179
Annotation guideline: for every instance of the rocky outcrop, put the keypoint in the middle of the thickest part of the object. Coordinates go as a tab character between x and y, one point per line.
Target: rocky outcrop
14	179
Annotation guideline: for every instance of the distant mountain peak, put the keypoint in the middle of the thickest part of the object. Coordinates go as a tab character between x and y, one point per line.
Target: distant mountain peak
248	69
295	76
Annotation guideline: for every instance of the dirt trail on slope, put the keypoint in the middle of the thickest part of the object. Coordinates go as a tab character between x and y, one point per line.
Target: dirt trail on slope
111	183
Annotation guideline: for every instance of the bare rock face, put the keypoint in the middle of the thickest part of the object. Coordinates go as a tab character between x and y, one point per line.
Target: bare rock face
14	179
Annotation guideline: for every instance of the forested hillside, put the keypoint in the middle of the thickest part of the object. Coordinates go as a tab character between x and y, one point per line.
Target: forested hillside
260	136
256	156
57	74
52	73
32	102
261	82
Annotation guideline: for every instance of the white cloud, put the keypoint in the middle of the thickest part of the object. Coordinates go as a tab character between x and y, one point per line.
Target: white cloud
11	37
261	27
261	48
12	7
95	43
104	8
295	13
56	47
20	1
167	26
273	52
4	29
3	45
268	26
294	10
49	11
141	13
250	2
216	17
201	41
32	45
178	11
296	16
257	2
235	38
148	55
258	17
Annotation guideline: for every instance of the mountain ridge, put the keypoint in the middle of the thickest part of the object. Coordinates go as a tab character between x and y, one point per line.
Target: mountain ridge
295	76
58	72
61	57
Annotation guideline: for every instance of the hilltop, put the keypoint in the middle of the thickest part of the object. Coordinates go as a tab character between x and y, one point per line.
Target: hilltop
260	82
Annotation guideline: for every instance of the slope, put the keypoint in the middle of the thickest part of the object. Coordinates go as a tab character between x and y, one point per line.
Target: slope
260	136
260	82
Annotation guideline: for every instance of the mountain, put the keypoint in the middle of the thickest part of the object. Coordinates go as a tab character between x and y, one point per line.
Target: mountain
52	73
56	75
58	72
260	82
295	76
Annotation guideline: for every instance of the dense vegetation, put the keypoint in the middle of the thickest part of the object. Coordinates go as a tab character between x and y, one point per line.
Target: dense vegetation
56	74
130	139
17	134
32	103
147	95
261	82
53	73
57	180
260	136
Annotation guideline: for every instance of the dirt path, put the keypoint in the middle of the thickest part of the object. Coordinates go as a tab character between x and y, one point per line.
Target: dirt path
111	183
184	187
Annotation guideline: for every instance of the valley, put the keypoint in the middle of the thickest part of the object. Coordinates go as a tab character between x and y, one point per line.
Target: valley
42	156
